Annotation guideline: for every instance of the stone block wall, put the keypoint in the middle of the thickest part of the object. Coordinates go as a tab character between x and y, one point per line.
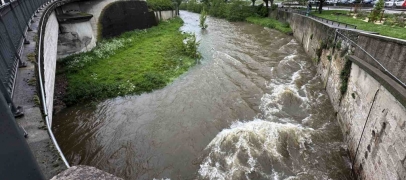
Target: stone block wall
390	52
370	113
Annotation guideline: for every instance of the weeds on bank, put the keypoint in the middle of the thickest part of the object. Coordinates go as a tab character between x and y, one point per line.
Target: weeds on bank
136	62
271	23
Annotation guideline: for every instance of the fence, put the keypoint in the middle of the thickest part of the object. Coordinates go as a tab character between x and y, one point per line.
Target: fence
327	21
15	19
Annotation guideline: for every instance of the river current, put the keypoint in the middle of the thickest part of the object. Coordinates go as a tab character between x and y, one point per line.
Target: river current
254	108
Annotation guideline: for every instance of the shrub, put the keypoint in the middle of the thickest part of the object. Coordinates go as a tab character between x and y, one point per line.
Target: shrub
160	5
239	10
190	45
374	15
203	16
262	11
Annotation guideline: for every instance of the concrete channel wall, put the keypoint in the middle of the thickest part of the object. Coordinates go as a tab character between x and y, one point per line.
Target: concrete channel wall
371	112
50	53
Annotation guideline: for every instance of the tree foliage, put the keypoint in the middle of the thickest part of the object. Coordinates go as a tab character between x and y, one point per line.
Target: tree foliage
374	15
160	5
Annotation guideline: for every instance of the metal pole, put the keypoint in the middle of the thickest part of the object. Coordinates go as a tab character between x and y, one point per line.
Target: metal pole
17	111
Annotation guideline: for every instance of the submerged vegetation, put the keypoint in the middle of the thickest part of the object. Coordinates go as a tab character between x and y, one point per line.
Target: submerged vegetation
136	62
203	16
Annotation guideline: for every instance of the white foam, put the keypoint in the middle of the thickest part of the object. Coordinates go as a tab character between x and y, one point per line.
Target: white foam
252	140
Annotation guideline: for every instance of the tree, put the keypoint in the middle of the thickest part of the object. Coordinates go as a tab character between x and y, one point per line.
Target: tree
374	15
266	3
321	2
177	2
253	2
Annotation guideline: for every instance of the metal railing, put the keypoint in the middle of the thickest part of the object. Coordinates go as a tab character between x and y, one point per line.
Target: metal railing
379	64
15	19
327	21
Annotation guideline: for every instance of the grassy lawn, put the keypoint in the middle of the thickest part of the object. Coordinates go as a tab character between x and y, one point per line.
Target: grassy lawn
136	62
271	23
392	31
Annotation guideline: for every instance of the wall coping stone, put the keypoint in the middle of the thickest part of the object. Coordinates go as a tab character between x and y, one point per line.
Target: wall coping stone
391	85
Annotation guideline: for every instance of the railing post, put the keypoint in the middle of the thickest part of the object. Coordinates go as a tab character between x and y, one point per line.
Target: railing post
21	63
17	111
19	26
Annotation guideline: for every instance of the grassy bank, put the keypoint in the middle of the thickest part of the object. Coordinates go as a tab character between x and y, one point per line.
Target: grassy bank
136	62
271	23
386	30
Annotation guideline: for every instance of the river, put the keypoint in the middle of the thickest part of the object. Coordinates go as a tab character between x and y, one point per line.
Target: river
254	108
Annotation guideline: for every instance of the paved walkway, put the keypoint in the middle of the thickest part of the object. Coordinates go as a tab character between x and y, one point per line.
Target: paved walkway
25	95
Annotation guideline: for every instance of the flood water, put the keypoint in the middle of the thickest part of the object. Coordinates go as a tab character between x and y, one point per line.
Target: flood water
253	109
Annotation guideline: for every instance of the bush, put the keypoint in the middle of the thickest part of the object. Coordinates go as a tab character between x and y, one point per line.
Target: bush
374	15
160	5
262	11
203	16
239	11
218	8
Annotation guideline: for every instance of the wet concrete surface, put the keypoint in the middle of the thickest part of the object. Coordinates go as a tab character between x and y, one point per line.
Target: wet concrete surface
33	121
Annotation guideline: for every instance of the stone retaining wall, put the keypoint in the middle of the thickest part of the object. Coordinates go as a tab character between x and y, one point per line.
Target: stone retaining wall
370	112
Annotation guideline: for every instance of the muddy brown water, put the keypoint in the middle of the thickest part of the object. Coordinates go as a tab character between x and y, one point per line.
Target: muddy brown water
253	109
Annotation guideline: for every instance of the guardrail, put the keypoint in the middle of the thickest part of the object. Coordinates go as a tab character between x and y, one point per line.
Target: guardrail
378	65
327	21
15	19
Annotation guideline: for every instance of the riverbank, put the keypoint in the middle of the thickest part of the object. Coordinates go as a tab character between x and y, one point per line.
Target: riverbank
388	27
271	23
256	15
133	63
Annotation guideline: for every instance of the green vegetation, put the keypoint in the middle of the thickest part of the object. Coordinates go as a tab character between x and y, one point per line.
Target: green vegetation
203	16
161	5
32	81
235	10
376	12
31	57
386	30
271	23
36	100
136	62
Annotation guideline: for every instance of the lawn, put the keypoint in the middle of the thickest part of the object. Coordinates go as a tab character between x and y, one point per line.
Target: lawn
392	31
136	62
271	23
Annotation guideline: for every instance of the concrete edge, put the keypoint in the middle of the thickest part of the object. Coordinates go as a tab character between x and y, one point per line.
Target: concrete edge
391	85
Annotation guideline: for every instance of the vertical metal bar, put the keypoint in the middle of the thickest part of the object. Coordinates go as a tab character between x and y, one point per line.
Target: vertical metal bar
19	25
10	40
8	98
26	16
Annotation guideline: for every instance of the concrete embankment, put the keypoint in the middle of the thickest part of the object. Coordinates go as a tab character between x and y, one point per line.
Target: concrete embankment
28	95
369	103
